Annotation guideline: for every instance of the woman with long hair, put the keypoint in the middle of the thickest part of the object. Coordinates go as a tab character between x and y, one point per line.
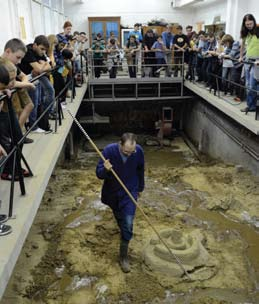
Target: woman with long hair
250	41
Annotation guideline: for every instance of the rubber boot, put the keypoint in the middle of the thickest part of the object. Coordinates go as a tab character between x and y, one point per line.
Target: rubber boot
124	261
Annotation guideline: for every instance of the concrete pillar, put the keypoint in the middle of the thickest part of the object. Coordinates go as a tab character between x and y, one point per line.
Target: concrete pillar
236	9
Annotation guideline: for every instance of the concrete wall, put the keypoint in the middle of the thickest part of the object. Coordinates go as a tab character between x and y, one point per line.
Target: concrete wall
217	136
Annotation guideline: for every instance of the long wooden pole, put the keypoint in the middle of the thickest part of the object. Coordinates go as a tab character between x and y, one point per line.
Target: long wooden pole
130	195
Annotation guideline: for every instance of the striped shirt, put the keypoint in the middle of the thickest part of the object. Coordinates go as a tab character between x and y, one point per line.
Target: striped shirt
235	54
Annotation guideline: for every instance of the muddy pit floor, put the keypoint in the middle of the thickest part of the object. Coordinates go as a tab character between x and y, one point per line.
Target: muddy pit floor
71	253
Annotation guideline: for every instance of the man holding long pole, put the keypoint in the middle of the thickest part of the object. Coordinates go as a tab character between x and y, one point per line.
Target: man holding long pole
126	158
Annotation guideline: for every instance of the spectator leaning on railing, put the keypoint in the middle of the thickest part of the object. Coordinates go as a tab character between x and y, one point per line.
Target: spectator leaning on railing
35	62
201	50
14	51
64	36
160	50
235	73
180	45
112	58
78	49
5	130
136	32
208	60
149	57
4	81
59	81
98	48
227	42
192	57
132	47
168	39
250	42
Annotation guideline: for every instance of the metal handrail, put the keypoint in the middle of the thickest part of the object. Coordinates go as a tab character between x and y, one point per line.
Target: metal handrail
16	145
16	151
2	163
2	97
250	62
140	60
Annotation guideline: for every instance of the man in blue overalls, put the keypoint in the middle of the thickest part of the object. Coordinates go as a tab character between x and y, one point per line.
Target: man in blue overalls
127	160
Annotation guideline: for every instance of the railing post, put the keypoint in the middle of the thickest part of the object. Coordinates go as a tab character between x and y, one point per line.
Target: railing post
182	70
72	87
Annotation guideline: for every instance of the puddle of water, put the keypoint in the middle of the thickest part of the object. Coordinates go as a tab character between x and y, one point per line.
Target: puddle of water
169	156
85	218
222	224
222	295
98	205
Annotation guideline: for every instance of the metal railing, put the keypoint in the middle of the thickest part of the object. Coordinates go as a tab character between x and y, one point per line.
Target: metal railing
102	62
217	87
16	152
135	68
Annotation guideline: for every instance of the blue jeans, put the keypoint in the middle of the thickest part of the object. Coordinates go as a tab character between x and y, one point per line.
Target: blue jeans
236	77
160	63
49	93
5	136
77	66
226	75
35	95
251	83
125	223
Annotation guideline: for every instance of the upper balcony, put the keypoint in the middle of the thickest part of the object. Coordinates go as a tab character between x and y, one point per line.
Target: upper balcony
140	76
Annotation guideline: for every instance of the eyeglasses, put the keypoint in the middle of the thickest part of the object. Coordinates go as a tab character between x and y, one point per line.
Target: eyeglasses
127	152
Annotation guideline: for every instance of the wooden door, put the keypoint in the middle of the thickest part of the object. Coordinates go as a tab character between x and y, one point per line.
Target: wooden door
104	25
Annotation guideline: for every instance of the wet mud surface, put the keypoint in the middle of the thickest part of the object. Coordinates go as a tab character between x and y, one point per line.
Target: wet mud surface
208	213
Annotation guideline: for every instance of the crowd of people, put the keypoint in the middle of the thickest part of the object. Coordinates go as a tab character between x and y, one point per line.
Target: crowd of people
215	59
55	59
226	64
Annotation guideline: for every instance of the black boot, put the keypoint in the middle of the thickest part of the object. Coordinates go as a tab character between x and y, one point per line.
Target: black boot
124	261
